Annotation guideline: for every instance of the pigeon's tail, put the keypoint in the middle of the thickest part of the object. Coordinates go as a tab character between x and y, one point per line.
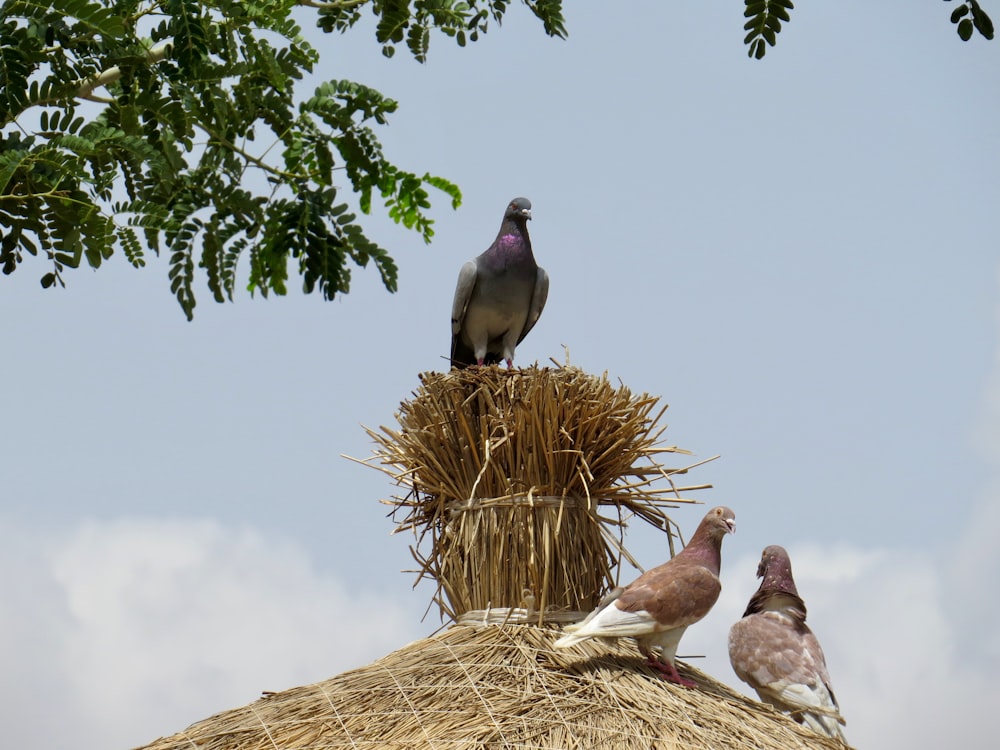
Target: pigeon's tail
571	638
572	630
825	724
461	355
816	707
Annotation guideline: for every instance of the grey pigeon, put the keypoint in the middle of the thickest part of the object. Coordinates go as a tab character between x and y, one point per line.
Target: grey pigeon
658	606
774	651
500	295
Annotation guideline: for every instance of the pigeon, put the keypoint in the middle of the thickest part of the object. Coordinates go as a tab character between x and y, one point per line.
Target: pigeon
658	606
499	296
773	650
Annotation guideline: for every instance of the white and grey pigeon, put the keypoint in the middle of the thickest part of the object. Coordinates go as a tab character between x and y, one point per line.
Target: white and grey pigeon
499	296
774	651
658	606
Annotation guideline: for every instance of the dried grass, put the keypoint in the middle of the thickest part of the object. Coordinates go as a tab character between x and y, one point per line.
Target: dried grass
501	687
519	484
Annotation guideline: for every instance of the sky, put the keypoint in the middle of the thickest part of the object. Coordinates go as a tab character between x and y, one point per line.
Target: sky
797	254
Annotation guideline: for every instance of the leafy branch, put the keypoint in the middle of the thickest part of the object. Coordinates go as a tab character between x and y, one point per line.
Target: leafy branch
970	16
202	148
766	16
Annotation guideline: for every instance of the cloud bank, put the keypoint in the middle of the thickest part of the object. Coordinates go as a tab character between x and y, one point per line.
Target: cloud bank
119	632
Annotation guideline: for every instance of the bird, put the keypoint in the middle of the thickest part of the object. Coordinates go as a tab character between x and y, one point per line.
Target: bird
773	650
499	296
659	605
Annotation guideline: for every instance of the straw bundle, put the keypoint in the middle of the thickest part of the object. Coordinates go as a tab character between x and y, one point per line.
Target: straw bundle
501	687
521	482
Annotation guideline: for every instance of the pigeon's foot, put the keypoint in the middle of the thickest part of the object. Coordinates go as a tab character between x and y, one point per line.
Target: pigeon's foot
677	679
669	672
510	364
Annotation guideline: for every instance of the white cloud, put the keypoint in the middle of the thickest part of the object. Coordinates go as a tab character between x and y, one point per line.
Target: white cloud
977	560
132	629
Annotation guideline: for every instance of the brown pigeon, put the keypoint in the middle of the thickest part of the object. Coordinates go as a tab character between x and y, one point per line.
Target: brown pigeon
499	296
658	606
774	651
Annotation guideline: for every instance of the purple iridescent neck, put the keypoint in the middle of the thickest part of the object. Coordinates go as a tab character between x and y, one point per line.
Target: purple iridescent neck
511	245
776	571
513	226
705	548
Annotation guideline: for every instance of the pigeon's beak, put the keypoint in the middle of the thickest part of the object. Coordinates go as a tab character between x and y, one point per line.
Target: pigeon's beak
731	525
526	213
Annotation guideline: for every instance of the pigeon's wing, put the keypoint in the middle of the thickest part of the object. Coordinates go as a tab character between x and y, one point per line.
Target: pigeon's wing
538	297
463	292
612	622
462	355
657	600
784	663
605	602
676	594
754	643
815	691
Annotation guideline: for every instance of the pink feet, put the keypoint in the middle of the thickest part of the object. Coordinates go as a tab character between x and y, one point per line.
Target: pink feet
669	672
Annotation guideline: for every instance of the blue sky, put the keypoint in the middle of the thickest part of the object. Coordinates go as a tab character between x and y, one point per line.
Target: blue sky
799	255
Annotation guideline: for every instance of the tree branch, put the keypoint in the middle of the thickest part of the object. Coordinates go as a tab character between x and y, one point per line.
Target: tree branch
250	158
87	85
322	4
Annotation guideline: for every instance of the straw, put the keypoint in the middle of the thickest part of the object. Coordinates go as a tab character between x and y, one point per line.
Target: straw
502	687
525	480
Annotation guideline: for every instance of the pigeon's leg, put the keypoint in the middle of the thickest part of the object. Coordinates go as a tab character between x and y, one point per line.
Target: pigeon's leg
667	671
508	342
479	348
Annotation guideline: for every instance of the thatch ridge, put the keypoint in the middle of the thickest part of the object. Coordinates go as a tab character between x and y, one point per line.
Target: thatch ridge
502	687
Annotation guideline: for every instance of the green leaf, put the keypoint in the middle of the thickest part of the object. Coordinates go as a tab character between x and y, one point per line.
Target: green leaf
965	29
131	246
450	188
982	22
550	13
764	24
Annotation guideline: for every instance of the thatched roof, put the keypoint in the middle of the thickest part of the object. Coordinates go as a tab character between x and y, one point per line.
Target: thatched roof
501	687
